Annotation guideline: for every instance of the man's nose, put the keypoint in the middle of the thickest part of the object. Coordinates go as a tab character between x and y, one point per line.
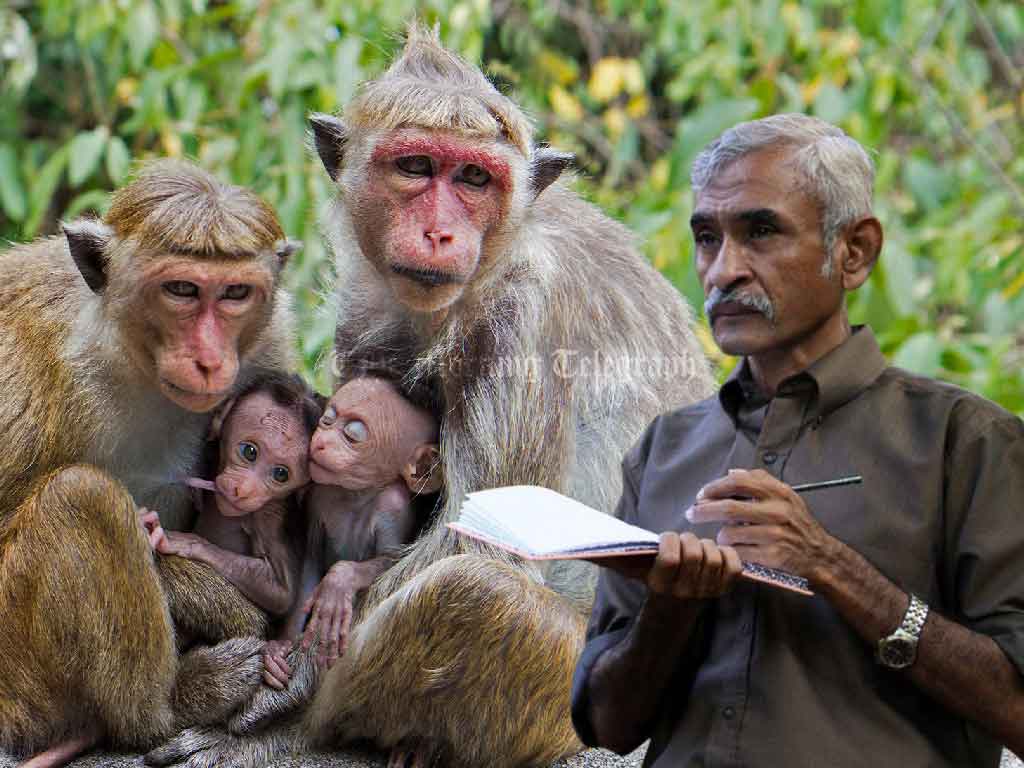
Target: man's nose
730	267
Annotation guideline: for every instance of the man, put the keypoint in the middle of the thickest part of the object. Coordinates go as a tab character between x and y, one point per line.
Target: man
911	651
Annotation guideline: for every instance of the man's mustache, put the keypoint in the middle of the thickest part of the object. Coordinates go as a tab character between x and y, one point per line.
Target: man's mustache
756	302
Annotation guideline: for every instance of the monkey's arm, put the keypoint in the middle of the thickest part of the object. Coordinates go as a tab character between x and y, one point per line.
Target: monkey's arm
260	578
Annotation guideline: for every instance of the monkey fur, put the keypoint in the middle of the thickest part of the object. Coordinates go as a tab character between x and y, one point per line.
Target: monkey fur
94	423
553	283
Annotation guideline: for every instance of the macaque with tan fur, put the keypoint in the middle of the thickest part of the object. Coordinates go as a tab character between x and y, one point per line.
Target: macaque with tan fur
372	452
543	342
249	527
117	339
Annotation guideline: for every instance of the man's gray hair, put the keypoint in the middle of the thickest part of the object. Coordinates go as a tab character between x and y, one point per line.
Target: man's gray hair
837	170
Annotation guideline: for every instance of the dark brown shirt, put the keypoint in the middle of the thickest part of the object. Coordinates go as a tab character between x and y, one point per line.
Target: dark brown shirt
772	678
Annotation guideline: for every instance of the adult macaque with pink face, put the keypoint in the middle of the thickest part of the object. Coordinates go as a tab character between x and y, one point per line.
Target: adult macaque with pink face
372	452
249	524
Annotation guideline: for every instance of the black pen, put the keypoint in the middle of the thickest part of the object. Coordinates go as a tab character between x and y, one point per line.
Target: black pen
827	483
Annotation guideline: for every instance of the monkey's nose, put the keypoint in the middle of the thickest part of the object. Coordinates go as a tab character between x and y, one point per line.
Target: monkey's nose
439	238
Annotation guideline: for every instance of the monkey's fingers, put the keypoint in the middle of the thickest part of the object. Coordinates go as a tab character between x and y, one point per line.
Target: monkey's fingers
346	626
276	672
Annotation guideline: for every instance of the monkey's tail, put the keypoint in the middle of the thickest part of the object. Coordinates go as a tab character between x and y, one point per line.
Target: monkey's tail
471	657
85	635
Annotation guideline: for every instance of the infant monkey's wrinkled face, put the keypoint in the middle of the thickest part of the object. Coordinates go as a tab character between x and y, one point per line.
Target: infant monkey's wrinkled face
354	444
264	455
370	436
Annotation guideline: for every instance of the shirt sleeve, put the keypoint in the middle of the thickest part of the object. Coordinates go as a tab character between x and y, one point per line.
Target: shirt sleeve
616	604
985	503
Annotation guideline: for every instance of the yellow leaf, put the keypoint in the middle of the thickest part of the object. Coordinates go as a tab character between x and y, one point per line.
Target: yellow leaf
615	121
633	76
171	143
637	106
848	43
606	79
563	71
1014	288
810	90
126	89
564	104
660	174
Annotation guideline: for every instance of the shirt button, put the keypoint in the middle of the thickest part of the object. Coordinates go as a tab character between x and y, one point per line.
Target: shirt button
769	457
728	713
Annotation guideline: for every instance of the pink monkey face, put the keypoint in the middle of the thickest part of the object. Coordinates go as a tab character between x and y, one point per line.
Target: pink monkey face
264	456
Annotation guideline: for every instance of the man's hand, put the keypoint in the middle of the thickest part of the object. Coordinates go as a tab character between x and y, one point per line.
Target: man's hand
766	522
330	609
276	672
688	568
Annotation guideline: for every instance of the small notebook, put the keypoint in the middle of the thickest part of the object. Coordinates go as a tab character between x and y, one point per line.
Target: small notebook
540	524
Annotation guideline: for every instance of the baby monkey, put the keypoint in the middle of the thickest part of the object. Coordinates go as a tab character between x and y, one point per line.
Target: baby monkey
249	528
372	452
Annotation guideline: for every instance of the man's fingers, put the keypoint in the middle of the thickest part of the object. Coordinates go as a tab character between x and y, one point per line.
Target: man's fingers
734	511
666	564
276	672
749	535
750	483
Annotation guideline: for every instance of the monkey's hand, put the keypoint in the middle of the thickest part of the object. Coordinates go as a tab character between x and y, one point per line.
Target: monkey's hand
181	544
276	672
150	522
330	609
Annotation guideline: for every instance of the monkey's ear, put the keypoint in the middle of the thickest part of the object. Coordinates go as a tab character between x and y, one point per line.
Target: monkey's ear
546	166
422	474
217	423
87	241
284	250
329	137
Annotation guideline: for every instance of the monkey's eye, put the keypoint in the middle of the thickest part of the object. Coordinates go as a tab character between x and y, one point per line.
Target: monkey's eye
181	289
356	431
248	451
474	175
415	165
329	417
280	474
236	292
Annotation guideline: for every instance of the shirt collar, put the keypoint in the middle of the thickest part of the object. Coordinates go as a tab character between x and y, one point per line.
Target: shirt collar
834	379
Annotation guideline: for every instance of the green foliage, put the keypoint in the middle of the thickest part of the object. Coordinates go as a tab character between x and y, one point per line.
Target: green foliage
87	87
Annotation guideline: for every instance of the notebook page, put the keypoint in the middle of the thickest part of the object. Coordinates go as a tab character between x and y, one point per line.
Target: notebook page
543	521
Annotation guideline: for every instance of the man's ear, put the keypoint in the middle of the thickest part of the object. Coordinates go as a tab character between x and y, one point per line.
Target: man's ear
87	241
422	473
219	415
329	138
546	166
862	243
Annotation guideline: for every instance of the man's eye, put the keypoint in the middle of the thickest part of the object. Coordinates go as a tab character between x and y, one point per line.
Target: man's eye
181	289
248	451
705	239
475	176
280	474
236	292
356	431
762	230
329	417
416	165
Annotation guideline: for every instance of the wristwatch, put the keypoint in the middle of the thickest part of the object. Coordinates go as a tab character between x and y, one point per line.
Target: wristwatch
899	650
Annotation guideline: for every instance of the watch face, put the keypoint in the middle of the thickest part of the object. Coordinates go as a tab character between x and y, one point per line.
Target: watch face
897	652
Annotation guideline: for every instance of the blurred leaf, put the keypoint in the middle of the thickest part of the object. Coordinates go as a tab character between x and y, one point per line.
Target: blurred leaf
95	200
921	353
12	193
118	160
86	150
143	30
41	191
